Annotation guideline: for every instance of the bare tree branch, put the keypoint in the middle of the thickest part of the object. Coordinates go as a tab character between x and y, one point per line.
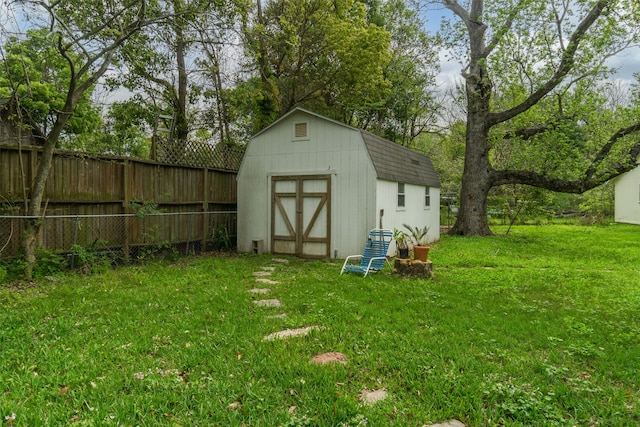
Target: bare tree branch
588	181
504	29
565	66
606	149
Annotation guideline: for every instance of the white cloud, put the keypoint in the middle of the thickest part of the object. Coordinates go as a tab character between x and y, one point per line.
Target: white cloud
626	63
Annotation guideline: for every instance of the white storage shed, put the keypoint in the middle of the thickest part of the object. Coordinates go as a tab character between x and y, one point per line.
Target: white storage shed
313	187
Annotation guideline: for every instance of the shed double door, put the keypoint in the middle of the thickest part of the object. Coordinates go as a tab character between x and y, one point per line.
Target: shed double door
301	215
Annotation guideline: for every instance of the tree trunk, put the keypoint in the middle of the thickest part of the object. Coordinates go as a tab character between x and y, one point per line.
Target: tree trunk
29	240
33	224
83	75
477	175
476	181
181	124
222	106
268	109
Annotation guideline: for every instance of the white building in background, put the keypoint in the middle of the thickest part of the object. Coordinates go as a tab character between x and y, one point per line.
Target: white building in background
627	197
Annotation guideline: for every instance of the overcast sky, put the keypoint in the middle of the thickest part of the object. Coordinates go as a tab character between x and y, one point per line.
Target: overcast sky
626	63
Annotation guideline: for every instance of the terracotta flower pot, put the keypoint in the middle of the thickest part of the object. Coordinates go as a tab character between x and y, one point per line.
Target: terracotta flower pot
420	253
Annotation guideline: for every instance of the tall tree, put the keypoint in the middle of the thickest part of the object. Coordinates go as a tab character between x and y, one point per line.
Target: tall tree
322	54
409	108
125	131
37	77
525	62
219	35
86	36
176	66
156	65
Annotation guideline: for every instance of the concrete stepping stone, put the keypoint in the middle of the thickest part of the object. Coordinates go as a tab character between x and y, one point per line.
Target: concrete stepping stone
267	281
277	316
268	303
268	268
331	357
370	397
450	423
281	260
259	290
262	273
287	333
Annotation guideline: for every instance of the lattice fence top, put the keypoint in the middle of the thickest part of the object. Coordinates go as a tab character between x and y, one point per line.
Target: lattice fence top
198	154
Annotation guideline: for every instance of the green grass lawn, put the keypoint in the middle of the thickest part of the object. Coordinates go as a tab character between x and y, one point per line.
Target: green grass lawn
541	327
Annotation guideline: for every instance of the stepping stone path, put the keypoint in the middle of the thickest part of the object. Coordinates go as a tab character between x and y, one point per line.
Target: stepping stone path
369	397
331	357
267	281
261	278
261	273
277	316
268	303
450	423
287	333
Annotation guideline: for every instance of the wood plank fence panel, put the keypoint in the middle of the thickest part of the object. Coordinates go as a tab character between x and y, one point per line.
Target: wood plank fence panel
105	185
15	168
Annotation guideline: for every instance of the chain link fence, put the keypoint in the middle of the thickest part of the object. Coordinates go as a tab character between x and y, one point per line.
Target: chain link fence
123	238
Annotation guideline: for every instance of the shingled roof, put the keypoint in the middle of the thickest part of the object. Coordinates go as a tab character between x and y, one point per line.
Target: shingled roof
394	162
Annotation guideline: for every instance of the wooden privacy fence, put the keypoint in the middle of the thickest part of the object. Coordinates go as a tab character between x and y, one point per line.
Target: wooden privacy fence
116	203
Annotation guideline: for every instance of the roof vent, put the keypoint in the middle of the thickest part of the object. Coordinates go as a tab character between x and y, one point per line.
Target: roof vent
300	130
415	162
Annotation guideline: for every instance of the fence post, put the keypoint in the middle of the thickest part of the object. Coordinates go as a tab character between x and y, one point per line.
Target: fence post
205	210
75	241
125	207
186	251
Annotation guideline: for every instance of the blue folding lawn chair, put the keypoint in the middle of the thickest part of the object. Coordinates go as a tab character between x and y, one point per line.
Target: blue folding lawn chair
374	256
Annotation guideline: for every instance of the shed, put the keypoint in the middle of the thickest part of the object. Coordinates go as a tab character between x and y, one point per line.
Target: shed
313	187
627	197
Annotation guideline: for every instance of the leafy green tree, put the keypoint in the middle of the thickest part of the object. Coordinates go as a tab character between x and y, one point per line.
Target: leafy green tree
126	129
37	77
175	66
157	66
219	35
409	108
530	67
447	154
85	37
320	54
598	204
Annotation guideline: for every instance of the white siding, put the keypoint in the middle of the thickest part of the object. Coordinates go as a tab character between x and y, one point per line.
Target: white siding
627	190
414	213
330	149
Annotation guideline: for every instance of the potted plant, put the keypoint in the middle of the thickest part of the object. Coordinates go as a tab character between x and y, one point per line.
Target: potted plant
419	240
402	246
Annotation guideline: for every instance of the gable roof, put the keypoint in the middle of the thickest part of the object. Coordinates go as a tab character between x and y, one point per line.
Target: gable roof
394	162
301	110
391	161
